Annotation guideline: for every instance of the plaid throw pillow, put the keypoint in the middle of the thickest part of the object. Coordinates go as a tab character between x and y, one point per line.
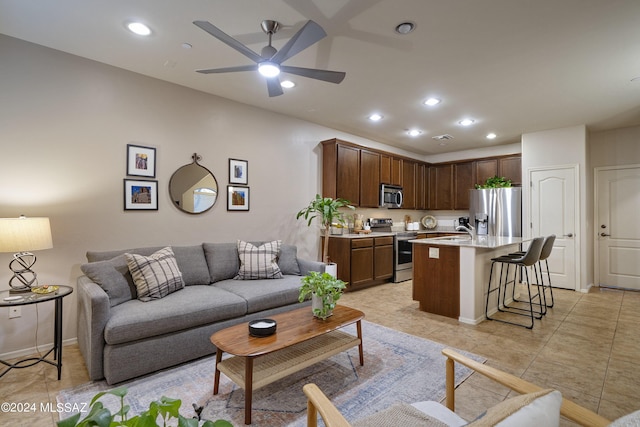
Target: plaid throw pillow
155	276
259	262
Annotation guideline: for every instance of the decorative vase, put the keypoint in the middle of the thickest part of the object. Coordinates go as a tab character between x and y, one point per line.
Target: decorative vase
316	305
332	269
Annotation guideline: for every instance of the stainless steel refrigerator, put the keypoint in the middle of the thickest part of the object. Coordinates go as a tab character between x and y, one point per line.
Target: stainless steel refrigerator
496	211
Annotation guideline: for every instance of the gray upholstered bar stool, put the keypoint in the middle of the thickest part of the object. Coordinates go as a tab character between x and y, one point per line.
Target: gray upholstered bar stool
528	259
547	247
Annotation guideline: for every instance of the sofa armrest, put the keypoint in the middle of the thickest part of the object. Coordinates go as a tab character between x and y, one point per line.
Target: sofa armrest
306	266
93	313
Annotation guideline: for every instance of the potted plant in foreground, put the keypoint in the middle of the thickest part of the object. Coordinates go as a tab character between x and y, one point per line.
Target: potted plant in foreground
327	210
325	291
165	408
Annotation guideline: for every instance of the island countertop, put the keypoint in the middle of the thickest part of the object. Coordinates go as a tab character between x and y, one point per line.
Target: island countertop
488	242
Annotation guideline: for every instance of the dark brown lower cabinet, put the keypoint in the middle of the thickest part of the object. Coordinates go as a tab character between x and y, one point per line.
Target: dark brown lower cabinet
362	261
436	279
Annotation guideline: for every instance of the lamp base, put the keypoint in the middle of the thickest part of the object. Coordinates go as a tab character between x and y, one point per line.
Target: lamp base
23	277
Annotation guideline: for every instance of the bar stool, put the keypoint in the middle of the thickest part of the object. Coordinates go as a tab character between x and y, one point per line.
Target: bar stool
528	259
547	247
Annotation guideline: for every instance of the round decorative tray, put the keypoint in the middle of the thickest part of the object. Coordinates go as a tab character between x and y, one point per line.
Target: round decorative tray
44	289
429	222
262	327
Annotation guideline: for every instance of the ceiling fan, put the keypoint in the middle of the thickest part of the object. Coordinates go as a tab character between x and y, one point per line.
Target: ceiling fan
269	61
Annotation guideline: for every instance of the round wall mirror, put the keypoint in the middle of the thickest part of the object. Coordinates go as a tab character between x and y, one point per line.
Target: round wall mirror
193	188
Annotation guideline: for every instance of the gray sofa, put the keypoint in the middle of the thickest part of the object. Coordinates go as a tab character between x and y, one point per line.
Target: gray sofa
121	337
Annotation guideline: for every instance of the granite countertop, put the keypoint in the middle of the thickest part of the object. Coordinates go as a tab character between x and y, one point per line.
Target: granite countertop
489	242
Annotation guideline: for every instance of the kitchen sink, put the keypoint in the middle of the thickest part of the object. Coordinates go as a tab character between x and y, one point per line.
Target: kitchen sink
454	238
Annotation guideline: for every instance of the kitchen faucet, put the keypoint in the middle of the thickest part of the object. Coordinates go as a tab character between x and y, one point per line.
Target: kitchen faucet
471	230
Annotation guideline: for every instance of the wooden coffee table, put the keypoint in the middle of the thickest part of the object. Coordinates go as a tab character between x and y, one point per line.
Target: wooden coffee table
301	340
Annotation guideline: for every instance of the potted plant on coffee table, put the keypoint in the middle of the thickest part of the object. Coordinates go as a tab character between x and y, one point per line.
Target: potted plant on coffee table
325	291
328	212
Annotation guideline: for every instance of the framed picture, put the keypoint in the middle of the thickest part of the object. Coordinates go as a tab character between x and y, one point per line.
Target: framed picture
140	195
141	161
237	198
238	171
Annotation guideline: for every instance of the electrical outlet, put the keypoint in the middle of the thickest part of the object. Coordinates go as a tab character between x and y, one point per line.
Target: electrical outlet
15	312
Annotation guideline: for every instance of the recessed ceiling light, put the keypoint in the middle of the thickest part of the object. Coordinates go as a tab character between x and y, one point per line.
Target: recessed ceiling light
414	132
432	101
139	28
405	27
491	135
287	84
186	45
375	117
466	122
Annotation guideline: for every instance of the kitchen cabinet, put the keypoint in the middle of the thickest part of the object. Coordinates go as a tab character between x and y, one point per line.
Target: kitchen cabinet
441	187
385	169
422	186
463	181
396	171
511	168
341	171
369	179
436	279
362	261
409	184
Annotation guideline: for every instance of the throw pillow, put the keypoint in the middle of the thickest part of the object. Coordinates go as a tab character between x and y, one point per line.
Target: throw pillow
288	260
113	276
155	276
541	408
259	262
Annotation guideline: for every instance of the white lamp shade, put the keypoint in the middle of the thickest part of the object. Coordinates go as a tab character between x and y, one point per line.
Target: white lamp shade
25	234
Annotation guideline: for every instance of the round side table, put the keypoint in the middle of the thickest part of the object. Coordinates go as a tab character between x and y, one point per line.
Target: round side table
8	299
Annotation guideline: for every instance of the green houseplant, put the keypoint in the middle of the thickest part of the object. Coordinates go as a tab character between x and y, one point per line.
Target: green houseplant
495	182
325	291
165	408
327	210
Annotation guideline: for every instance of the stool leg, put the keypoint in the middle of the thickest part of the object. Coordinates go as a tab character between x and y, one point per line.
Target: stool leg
548	282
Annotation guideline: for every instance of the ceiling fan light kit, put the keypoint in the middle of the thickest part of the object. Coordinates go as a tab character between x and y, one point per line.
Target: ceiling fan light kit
269	61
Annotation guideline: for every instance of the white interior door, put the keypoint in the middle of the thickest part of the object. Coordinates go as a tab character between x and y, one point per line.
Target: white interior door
617	227
553	210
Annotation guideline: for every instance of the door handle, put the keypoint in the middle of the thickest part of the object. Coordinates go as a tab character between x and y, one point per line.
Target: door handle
568	235
604	234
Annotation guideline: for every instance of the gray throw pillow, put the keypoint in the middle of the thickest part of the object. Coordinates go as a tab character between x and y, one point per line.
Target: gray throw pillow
113	276
222	259
288	260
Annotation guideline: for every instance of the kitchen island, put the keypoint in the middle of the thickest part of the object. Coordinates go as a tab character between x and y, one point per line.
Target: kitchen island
450	274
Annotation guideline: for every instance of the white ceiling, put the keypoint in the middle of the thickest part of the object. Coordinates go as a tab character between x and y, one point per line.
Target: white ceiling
515	66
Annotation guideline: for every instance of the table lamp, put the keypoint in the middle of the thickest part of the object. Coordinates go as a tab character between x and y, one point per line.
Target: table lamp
21	235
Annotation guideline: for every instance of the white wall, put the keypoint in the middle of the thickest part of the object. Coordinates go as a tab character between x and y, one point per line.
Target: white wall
563	147
65	122
615	147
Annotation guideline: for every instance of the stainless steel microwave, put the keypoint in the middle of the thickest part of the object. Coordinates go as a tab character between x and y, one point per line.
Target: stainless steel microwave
390	196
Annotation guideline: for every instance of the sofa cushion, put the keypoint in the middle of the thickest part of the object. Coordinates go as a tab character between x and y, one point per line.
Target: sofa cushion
193	306
288	260
191	261
222	260
264	294
541	408
156	275
259	262
113	276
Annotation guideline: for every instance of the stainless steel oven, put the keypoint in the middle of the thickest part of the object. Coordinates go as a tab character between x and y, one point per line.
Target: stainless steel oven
403	256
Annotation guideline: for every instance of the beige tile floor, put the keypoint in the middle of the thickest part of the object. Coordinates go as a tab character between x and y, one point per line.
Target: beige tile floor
587	347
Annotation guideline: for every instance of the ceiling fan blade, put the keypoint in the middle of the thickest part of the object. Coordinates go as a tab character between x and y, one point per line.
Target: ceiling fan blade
309	34
312	73
273	85
228	40
229	69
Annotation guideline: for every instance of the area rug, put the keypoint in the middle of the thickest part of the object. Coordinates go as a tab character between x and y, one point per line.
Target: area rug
398	367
